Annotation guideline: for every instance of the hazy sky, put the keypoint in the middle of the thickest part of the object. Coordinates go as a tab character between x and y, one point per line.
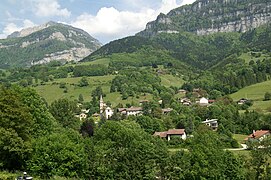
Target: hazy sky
104	20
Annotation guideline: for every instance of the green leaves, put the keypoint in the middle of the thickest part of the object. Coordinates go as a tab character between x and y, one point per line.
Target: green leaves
63	111
58	155
124	151
16	126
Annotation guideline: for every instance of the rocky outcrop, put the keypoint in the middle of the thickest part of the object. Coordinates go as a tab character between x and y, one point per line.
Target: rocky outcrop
45	43
73	54
210	16
28	31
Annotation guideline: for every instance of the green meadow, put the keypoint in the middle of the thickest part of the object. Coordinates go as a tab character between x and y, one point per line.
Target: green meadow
51	90
256	93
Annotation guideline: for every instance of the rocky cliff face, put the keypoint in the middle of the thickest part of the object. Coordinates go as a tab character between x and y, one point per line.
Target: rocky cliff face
45	43
210	16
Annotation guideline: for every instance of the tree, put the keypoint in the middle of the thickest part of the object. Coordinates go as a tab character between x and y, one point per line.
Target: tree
124	151
261	152
64	111
59	154
83	82
267	96
16	126
81	98
87	128
208	160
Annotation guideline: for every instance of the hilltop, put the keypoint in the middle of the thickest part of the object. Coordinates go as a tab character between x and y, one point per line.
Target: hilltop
45	43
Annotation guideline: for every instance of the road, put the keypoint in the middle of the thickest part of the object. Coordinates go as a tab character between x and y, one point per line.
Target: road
244	147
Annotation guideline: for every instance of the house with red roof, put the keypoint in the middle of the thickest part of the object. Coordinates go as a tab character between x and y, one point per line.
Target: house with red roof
258	135
172	133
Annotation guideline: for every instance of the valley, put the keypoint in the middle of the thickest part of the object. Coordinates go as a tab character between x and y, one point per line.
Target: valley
189	97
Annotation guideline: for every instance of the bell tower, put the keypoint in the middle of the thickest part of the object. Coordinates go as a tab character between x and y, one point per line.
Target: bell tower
101	104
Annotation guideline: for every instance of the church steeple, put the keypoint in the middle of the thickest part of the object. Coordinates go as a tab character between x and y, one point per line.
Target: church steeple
101	104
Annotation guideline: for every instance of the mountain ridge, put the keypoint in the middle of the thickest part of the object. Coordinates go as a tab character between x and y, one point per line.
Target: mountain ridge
45	43
210	16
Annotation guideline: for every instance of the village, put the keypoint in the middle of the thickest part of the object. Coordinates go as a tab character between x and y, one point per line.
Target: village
106	112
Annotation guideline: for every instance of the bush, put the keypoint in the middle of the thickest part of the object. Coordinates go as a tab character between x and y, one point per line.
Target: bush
8	176
175	142
62	85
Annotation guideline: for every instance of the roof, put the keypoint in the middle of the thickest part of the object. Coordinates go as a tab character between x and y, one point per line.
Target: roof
167	110
170	132
175	131
209	120
134	109
95	114
257	134
130	109
161	134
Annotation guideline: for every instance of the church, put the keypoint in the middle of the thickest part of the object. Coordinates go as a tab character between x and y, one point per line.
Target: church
105	111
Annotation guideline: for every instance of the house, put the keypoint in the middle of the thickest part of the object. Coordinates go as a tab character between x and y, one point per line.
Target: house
211	101
141	102
96	115
258	135
108	112
242	101
196	90
203	101
160	101
81	116
182	91
85	110
172	133
135	111
166	110
211	123
185	101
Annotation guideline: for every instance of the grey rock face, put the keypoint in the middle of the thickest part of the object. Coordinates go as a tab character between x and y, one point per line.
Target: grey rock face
210	16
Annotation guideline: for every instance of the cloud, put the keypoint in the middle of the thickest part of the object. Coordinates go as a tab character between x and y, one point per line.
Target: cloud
47	8
110	23
11	27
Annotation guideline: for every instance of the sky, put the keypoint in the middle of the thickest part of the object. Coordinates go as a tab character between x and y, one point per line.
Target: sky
104	20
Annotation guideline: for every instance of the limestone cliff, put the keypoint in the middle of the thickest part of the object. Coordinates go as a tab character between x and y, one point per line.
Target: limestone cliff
209	16
45	43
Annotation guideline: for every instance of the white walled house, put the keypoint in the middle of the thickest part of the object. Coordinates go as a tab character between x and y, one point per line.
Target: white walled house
172	133
211	123
108	112
203	101
135	111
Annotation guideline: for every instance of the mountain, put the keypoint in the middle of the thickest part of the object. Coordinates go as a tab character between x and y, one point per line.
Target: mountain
45	43
201	35
210	16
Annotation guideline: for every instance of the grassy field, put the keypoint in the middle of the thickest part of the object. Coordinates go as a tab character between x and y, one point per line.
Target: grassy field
51	91
104	61
253	92
239	137
170	80
256	93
